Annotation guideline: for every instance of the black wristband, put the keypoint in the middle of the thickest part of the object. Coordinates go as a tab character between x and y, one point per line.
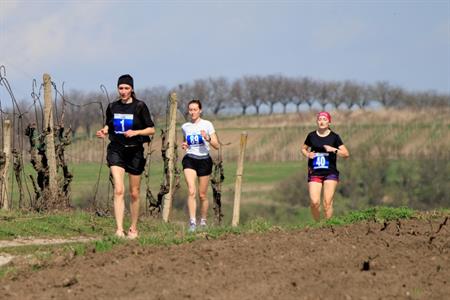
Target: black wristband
336	151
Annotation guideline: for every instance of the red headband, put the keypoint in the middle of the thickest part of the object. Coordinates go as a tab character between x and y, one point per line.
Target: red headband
324	114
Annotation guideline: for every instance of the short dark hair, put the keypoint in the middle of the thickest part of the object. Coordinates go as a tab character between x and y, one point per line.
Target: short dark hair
196	101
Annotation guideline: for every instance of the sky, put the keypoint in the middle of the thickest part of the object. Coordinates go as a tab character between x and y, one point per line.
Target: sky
85	44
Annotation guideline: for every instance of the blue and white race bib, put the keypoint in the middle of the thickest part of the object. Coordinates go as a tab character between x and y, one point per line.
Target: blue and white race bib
321	161
122	123
197	145
194	139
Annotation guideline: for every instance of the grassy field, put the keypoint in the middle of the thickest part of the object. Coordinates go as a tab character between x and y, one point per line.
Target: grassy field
259	181
393	150
393	133
78	223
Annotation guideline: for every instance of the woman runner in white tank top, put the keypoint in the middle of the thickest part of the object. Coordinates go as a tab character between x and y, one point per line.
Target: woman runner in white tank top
198	136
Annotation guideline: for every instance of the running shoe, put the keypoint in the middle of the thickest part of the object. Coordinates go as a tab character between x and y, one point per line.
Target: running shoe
192	227
132	234
120	234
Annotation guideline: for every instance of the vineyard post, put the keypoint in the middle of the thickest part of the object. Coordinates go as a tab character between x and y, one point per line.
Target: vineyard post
238	185
4	175
171	156
49	137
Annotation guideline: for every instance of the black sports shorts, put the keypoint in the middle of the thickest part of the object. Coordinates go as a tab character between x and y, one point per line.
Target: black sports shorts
130	158
202	166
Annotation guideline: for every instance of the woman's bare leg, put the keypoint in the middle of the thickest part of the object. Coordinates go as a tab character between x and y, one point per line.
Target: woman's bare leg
315	189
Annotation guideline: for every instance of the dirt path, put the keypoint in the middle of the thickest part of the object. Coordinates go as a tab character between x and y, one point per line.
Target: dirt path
397	260
6	258
34	241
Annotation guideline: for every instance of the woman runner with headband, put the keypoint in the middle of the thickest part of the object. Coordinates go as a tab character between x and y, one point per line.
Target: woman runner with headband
129	125
322	147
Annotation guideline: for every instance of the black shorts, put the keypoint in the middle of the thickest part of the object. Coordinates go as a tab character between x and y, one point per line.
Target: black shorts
130	158
203	166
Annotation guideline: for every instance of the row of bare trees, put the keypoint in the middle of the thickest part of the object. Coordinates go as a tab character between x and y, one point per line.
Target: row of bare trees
257	91
221	95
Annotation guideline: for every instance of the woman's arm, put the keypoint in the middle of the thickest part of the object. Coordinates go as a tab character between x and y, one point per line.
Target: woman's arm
306	151
146	131
343	152
340	151
102	133
213	140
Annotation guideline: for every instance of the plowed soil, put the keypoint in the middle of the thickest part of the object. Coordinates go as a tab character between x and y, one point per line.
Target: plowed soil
408	259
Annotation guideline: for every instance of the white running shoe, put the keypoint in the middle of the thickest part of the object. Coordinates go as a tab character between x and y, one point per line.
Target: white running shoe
192	226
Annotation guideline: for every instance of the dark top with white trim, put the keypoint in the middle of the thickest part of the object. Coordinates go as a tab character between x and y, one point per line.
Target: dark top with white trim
323	163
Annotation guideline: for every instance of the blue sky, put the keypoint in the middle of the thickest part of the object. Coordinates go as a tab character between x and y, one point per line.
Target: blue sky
89	43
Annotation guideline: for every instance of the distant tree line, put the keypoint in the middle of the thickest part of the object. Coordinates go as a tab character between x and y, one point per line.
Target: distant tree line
252	93
256	91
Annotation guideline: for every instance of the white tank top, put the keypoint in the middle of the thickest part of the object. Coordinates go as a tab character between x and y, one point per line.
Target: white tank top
197	146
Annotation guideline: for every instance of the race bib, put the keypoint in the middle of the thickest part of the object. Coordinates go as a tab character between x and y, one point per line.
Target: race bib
321	161
122	123
194	139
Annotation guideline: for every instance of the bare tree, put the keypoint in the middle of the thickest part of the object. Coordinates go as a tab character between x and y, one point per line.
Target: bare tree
364	96
273	90
350	93
253	90
335	94
425	99
304	90
441	100
288	94
238	95
323	93
74	110
380	92
90	111
395	96
185	93
201	90
156	99
219	93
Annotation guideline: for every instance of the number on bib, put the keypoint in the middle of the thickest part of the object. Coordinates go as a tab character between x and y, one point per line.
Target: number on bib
194	139
321	161
122	123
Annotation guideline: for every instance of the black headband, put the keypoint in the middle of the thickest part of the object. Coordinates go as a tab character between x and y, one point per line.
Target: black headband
125	79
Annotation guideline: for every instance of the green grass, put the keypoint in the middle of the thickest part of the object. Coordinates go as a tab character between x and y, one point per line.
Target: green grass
154	231
378	214
266	172
86	175
7	270
21	224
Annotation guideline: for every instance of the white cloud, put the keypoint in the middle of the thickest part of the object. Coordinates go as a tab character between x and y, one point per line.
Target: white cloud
39	38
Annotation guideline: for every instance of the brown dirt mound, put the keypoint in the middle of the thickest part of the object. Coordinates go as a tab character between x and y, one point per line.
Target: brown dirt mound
396	260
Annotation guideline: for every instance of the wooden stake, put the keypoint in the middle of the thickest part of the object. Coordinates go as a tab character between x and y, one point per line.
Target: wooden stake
49	138
239	172
4	174
167	201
